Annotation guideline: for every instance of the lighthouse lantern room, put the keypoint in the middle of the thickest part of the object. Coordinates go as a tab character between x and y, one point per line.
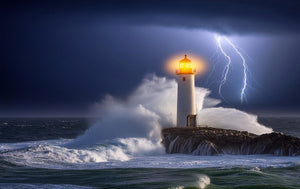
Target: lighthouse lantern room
186	106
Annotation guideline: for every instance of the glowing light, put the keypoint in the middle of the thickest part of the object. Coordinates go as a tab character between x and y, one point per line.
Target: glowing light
197	65
226	69
186	66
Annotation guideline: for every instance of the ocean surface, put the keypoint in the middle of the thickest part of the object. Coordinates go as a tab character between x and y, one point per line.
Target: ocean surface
44	153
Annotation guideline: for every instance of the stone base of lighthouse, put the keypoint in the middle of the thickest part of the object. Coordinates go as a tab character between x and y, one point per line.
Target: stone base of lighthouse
186	105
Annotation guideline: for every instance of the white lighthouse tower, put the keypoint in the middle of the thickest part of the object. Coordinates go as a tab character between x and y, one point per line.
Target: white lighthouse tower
186	106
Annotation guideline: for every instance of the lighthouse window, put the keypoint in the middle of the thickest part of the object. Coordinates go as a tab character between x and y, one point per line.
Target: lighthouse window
183	79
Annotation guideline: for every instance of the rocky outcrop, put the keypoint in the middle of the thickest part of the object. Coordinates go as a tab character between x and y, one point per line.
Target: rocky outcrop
214	141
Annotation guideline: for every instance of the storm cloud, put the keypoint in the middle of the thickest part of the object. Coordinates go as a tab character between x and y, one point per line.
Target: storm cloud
227	16
62	56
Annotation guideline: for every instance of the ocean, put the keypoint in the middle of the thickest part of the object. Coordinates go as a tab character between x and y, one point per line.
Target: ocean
43	153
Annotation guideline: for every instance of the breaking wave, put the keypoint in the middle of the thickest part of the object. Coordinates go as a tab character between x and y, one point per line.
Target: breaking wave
203	181
152	106
55	154
126	153
130	130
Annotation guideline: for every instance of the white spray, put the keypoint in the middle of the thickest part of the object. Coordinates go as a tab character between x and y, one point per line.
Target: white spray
152	106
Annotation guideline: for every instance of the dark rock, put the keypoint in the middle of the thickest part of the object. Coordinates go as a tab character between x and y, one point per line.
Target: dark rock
214	141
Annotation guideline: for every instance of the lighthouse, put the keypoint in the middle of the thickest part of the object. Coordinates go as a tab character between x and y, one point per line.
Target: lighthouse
186	106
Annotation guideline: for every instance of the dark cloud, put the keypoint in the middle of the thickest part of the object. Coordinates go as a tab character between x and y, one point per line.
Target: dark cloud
224	16
61	56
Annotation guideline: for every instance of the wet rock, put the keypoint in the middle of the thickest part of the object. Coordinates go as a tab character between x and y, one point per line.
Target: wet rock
214	141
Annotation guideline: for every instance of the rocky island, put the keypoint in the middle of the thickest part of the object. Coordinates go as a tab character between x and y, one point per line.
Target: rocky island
214	141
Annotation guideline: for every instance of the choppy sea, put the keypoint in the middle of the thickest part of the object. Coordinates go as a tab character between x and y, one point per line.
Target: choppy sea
38	153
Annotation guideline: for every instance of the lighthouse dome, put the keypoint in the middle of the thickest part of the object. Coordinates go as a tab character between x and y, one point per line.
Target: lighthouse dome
185	60
185	66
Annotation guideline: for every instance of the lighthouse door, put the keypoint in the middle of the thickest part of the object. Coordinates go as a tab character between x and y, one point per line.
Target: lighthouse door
191	121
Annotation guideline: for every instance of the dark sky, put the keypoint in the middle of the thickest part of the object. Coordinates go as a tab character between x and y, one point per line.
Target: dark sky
59	57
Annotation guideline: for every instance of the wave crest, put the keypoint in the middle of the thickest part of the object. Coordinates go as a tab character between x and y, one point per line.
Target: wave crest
152	106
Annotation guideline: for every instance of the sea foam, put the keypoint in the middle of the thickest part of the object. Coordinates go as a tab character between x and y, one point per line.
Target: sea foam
128	133
129	153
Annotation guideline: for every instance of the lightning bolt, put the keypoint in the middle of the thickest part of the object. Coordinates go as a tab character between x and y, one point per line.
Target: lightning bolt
244	69
226	69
